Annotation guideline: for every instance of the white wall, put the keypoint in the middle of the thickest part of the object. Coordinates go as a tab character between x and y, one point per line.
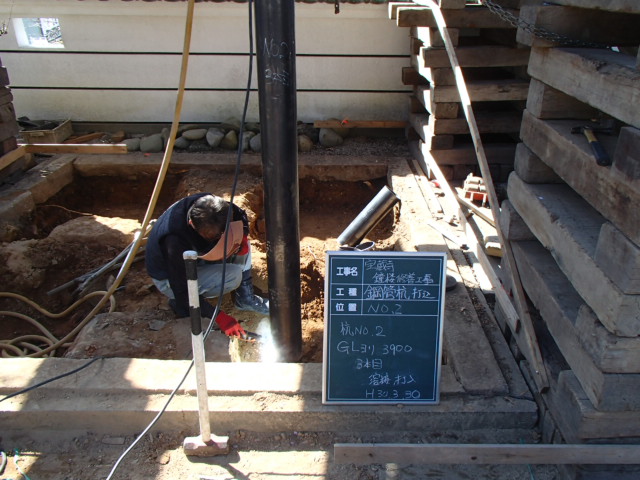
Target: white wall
121	62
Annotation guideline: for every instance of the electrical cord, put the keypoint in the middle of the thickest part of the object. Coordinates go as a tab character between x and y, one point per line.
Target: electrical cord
47	337
228	220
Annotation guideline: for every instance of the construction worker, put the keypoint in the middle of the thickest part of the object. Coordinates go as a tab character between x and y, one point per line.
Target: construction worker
197	223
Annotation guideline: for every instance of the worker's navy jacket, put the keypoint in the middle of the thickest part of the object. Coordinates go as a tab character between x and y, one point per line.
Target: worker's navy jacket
170	237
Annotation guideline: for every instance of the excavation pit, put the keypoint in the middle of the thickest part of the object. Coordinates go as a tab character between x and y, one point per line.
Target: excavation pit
87	213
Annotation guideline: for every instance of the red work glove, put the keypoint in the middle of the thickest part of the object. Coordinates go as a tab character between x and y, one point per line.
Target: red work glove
230	325
244	246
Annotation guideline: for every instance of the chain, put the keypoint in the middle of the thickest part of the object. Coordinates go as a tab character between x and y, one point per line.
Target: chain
537	31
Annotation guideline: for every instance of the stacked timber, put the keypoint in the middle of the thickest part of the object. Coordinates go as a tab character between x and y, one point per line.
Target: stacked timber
494	67
573	218
8	125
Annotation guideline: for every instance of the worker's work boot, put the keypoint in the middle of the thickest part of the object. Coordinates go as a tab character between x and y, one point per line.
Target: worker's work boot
245	299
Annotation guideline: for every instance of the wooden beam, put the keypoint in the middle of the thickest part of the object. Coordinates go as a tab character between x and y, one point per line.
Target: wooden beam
579	24
469	17
452	207
477	210
499	454
477	56
84	138
8	158
485	91
606	80
358	124
74	148
530	346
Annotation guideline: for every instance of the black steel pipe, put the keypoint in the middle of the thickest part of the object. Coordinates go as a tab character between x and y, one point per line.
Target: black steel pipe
276	72
368	218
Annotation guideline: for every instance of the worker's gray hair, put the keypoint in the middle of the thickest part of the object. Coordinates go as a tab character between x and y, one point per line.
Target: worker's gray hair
209	211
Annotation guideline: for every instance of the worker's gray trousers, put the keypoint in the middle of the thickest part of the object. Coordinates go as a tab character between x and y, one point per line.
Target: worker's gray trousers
210	276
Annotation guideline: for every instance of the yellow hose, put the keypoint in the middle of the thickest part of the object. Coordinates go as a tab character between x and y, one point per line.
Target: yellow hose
164	167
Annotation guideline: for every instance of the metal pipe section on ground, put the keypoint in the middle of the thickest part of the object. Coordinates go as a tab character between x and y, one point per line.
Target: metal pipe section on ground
368	218
276	71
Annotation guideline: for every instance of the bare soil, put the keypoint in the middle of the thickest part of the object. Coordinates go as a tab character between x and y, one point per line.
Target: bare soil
88	223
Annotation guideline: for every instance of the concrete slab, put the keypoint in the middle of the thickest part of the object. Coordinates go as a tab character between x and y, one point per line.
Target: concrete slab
121	396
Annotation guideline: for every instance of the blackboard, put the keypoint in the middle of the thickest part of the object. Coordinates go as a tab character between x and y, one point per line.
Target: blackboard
383	327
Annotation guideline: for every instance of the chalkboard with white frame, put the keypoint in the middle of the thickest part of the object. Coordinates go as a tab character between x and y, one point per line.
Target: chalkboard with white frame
383	327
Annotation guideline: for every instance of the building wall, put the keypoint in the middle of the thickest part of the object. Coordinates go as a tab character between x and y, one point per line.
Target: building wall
121	62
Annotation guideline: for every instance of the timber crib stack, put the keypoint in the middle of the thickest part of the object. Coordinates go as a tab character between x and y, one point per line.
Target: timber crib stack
575	224
494	67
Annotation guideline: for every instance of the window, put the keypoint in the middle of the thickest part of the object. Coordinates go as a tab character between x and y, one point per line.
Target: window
38	32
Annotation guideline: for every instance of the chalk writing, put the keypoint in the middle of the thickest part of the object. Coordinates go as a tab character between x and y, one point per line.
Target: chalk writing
276	49
383	327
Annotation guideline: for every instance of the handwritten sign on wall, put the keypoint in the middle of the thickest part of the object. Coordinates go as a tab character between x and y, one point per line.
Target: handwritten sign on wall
383	327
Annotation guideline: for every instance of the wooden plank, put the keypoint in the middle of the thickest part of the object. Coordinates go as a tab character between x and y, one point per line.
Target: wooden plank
498	154
605	80
485	91
531	169
579	24
611	354
469	17
430	37
580	421
626	159
358	124
559	303
483	213
503	454
435	76
569	227
627	6
477	56
84	138
570	157
73	148
410	76
547	102
618	258
437	109
482	262
393	8
488	122
530	347
12	156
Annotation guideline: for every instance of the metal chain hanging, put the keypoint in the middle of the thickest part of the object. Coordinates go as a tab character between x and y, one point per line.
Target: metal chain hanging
539	32
4	28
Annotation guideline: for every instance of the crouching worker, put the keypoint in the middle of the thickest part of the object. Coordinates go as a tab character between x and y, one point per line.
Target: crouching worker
197	223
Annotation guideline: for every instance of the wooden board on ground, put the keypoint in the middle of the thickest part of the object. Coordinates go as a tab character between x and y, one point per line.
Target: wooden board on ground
73	148
605	80
359	124
457	454
570	157
567	225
